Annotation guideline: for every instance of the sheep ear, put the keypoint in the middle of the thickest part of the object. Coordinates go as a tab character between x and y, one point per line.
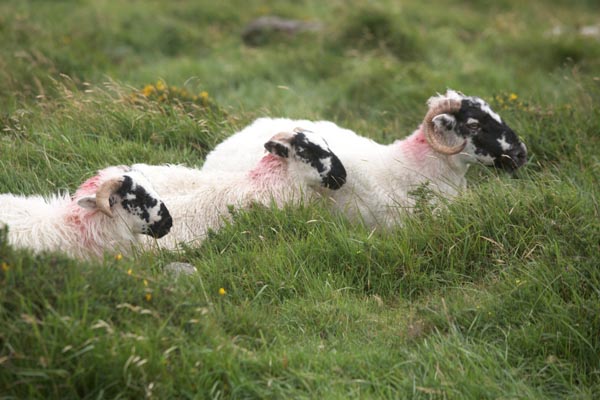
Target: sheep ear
279	144
444	122
88	202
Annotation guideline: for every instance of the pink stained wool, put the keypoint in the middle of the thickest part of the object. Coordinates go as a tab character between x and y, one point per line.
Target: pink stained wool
268	171
80	218
416	146
88	187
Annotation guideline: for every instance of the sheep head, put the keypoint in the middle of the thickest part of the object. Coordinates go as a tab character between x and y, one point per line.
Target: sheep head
456	123
131	196
311	149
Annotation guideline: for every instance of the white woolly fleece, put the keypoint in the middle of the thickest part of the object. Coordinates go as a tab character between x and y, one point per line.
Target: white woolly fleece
199	200
379	177
58	223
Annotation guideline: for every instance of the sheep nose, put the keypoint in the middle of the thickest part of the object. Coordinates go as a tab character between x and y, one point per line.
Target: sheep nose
162	227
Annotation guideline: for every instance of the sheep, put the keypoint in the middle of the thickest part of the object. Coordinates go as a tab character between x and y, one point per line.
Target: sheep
457	131
297	167
107	213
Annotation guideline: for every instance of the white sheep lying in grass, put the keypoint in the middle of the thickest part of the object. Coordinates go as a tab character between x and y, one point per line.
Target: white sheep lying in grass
298	167
107	214
457	131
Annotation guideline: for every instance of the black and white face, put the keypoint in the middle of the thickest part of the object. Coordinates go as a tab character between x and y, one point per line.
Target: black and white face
489	140
493	141
311	149
141	206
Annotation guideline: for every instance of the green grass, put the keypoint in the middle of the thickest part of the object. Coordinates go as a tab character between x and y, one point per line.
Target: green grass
495	296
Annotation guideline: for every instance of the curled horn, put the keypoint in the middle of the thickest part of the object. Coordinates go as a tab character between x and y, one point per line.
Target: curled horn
104	192
433	136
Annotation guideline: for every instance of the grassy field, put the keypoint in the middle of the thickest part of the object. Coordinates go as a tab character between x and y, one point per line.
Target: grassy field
496	297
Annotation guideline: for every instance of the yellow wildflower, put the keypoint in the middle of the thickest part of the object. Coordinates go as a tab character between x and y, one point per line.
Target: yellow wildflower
119	257
129	271
160	85
148	90
513	97
145	282
148	296
222	291
5	267
204	96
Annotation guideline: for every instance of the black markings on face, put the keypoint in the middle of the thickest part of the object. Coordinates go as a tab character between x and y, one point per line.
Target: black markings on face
277	148
136	200
161	227
327	164
447	123
494	141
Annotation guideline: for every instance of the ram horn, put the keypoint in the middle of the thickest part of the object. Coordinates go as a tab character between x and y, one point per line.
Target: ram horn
433	136
104	192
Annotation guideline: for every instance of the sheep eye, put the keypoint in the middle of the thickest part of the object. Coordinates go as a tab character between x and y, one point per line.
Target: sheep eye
473	126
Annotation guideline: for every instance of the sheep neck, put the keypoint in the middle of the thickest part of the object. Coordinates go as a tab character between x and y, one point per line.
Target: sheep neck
268	171
447	172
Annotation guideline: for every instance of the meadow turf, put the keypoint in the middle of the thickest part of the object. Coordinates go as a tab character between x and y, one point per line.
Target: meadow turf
495	296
